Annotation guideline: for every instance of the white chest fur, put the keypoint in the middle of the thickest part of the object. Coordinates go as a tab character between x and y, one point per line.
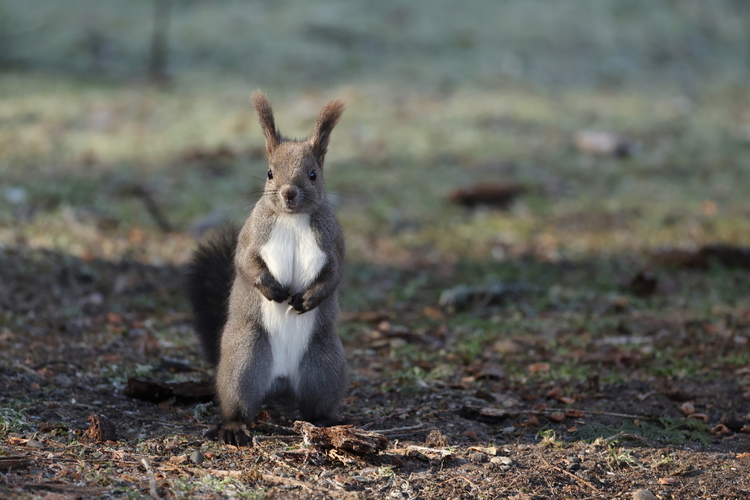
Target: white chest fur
294	258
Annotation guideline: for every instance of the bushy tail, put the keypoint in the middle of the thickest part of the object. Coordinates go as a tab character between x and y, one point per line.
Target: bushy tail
209	282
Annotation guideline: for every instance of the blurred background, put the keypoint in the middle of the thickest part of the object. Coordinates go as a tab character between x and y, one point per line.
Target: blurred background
596	128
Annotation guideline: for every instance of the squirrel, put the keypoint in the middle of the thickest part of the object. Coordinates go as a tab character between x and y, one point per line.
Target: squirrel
265	299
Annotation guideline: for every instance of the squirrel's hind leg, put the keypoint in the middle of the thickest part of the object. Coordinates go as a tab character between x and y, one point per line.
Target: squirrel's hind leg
323	379
243	379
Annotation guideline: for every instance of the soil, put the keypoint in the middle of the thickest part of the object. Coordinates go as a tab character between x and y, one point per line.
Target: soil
74	331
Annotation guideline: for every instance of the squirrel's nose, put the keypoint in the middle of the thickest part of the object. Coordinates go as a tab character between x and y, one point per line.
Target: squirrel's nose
289	193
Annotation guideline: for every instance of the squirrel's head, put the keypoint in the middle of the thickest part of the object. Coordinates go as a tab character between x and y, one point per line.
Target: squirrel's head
295	168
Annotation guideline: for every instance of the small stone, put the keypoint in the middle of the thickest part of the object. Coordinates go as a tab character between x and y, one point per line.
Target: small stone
644	495
197	457
502	461
33	443
583	476
589	464
478	457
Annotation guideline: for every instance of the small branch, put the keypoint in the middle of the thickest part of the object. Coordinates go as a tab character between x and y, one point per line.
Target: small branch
151	480
473	486
400	430
277	438
425	449
579	479
157	67
392	415
153	208
14	462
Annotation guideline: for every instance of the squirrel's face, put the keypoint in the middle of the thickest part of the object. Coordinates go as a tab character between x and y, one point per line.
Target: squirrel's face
295	168
294	179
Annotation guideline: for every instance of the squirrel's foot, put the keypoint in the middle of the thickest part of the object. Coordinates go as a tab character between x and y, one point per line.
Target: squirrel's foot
234	433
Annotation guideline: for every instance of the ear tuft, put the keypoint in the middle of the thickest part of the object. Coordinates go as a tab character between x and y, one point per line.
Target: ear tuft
328	118
267	124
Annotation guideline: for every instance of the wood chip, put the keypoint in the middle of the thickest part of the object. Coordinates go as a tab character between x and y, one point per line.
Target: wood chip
341	437
14	462
155	391
100	429
500	195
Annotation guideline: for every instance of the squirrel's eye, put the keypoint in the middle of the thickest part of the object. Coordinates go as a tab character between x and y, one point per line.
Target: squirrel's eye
313	175
270	174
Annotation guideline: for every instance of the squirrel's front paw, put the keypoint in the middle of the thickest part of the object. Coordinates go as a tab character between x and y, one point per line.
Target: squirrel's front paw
273	290
302	303
234	433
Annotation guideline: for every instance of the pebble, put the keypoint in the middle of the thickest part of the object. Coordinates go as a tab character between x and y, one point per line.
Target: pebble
197	457
573	464
583	476
502	460
33	443
644	495
589	464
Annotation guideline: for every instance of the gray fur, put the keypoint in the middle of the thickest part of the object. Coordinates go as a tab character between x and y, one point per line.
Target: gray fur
244	372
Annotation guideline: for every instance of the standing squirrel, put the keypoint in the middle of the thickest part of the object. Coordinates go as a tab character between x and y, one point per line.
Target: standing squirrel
266	299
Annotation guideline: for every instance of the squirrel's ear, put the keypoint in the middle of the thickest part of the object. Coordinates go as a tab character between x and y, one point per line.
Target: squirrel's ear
267	123
327	119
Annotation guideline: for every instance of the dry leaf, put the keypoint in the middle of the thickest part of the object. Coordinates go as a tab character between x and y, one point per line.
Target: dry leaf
532	421
539	367
574	413
432	312
699	416
507	346
555	393
687	408
720	430
500	195
709	208
668	480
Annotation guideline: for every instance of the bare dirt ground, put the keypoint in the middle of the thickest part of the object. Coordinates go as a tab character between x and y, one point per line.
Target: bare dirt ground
67	352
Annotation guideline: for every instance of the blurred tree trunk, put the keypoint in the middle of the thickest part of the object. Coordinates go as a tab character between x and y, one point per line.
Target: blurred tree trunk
157	66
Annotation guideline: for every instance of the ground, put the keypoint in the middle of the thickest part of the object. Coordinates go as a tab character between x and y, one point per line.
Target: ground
580	332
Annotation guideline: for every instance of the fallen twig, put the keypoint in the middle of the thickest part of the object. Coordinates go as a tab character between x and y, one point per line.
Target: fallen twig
577	478
398	430
151	480
14	462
